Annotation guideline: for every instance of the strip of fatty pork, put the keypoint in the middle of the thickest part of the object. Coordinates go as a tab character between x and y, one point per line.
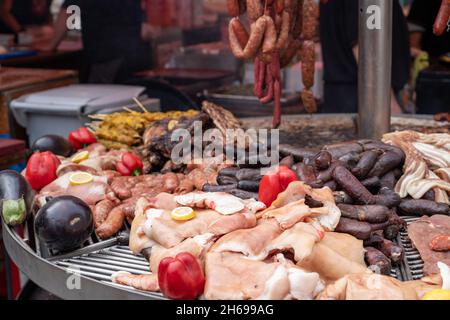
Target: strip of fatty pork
197	246
328	216
90	193
156	225
231	276
336	256
369	287
145	282
268	239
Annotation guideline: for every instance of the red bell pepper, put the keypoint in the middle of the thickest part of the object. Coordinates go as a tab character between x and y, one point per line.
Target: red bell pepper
131	165
41	169
181	278
275	182
81	138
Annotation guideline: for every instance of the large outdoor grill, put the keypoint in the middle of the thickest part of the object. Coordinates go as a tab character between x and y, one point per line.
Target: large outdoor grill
98	260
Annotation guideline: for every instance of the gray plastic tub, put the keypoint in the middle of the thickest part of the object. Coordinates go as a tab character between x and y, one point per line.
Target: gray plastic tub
59	111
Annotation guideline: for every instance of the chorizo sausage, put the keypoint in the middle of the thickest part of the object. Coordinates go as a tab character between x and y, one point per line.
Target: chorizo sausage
308	63
310	19
255	40
277	104
233	8
309	101
255	9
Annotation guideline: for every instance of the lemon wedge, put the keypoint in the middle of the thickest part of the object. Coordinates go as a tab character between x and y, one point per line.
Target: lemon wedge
81	178
183	214
80	157
437	295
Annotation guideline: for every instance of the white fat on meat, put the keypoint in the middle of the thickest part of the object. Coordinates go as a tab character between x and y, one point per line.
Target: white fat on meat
328	215
445	274
304	285
223	203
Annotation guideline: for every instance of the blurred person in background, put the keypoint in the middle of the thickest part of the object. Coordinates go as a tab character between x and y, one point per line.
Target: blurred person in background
421	20
339	23
111	31
30	16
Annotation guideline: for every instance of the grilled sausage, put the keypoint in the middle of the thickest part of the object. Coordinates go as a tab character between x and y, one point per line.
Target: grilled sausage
370	214
360	230
113	223
378	262
102	210
339	150
440	243
423	208
392	251
352	186
387	162
366	163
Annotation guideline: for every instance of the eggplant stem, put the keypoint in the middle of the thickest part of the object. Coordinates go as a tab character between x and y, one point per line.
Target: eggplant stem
14	211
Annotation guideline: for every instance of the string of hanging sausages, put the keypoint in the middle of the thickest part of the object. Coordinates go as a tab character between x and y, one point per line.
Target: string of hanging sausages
279	31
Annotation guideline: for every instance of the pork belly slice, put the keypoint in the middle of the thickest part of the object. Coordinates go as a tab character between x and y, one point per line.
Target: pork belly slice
422	232
231	276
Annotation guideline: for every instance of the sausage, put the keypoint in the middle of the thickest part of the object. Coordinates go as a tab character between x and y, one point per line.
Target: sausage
255	40
229	172
339	150
255	9
312	203
309	101
366	163
113	223
392	251
370	214
308	54
279	6
283	37
389	180
352	186
270	87
224	180
327	175
306	173
240	32
440	243
374	241
388	198
310	19
442	19
380	226
214	188
243	194
252	186
380	146
351	159
298	24
378	262
260	75
423	208
332	185
102	210
322	161
290	52
391	232
269	43
298	153
372	184
342	198
249	174
233	8
429	195
360	230
170	182
387	162
277	104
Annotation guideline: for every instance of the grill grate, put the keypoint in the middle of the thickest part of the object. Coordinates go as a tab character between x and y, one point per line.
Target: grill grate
102	264
412	266
101	260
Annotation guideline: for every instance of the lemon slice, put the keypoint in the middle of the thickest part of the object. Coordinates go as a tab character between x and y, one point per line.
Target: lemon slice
81	178
80	157
183	214
172	124
437	295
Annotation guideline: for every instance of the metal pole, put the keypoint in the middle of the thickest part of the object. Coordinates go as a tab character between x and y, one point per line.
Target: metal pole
375	61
